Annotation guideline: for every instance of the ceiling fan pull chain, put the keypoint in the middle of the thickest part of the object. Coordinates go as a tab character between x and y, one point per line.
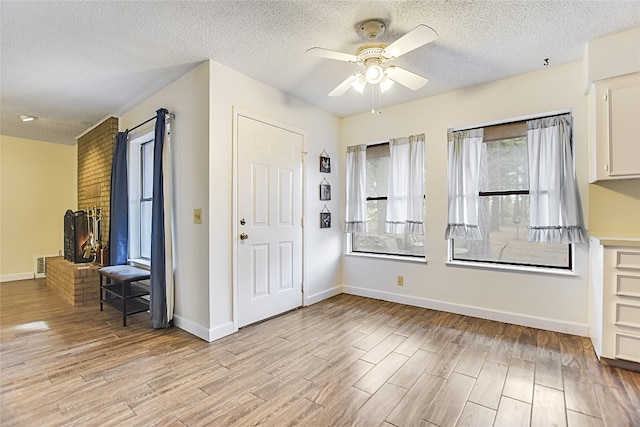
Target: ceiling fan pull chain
373	101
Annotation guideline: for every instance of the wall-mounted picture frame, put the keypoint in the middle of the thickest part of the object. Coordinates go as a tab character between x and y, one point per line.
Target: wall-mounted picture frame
325	217
325	190
325	162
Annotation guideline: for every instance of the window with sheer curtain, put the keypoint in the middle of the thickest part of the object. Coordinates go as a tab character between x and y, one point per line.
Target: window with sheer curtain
394	199
521	205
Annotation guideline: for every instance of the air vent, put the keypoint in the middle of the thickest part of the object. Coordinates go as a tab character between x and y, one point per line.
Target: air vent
41	267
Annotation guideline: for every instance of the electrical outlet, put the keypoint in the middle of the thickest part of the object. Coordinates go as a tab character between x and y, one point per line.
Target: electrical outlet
400	280
197	216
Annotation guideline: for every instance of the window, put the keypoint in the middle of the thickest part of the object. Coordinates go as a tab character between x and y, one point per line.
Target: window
140	196
375	240
146	197
503	207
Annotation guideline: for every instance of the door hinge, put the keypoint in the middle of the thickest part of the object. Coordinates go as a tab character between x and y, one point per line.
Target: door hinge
302	222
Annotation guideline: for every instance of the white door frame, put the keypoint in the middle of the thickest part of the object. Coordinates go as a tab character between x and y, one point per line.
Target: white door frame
237	113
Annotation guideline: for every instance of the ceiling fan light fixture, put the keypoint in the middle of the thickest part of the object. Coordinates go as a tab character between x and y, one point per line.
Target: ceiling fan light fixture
359	83
385	84
373	57
374	74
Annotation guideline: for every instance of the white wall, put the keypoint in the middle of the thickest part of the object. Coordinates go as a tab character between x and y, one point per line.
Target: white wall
188	98
203	101
202	139
322	257
38	183
540	300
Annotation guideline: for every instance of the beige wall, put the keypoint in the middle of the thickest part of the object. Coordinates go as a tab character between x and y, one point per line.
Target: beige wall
37	186
614	208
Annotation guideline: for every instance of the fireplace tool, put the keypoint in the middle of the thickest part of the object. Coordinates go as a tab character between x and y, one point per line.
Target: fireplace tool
92	245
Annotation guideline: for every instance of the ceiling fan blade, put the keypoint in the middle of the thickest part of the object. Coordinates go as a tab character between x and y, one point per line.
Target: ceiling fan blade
345	85
406	78
331	54
415	38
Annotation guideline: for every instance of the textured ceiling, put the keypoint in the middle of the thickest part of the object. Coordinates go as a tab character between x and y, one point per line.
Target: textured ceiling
71	63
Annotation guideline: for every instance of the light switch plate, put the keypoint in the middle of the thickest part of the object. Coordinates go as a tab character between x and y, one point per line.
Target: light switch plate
197	216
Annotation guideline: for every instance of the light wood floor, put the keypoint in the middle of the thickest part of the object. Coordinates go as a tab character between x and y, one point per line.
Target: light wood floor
344	361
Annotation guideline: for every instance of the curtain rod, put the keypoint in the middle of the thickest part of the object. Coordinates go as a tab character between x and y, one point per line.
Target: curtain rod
373	144
171	115
387	141
516	119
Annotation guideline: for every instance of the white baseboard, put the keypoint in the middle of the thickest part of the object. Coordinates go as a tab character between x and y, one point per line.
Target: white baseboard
202	332
317	297
482	313
17	276
221	331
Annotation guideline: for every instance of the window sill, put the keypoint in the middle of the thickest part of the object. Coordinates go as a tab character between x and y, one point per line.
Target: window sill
140	263
420	260
514	268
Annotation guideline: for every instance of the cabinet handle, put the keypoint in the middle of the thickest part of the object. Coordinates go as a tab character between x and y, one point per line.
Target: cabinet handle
605	97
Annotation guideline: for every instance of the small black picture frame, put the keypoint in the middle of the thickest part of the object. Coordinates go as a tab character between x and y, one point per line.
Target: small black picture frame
325	191
325	219
325	162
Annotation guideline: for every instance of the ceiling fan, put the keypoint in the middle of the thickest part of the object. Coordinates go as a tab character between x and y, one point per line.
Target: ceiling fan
373	58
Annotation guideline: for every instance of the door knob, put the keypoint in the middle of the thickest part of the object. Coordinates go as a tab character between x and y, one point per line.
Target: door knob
244	236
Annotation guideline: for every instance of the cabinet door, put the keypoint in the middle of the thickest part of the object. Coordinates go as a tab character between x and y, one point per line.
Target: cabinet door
618	127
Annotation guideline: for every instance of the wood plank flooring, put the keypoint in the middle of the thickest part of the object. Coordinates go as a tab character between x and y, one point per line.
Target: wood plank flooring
345	361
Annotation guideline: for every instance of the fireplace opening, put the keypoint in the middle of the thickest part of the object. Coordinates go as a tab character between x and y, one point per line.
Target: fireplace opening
82	236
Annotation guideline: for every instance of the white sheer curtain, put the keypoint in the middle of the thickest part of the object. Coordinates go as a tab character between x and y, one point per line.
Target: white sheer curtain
556	212
465	148
356	171
169	225
405	198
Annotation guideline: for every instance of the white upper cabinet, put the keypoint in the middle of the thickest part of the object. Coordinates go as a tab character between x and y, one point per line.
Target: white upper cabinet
615	128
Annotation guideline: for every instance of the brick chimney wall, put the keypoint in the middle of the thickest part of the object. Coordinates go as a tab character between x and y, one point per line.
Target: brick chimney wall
95	153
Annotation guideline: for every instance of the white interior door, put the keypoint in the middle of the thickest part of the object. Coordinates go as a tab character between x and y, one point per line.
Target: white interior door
269	215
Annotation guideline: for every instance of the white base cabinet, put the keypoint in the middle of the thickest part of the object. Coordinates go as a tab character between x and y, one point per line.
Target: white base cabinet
614	298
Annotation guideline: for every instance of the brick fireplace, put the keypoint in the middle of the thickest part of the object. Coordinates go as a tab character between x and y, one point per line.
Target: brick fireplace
95	153
78	282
